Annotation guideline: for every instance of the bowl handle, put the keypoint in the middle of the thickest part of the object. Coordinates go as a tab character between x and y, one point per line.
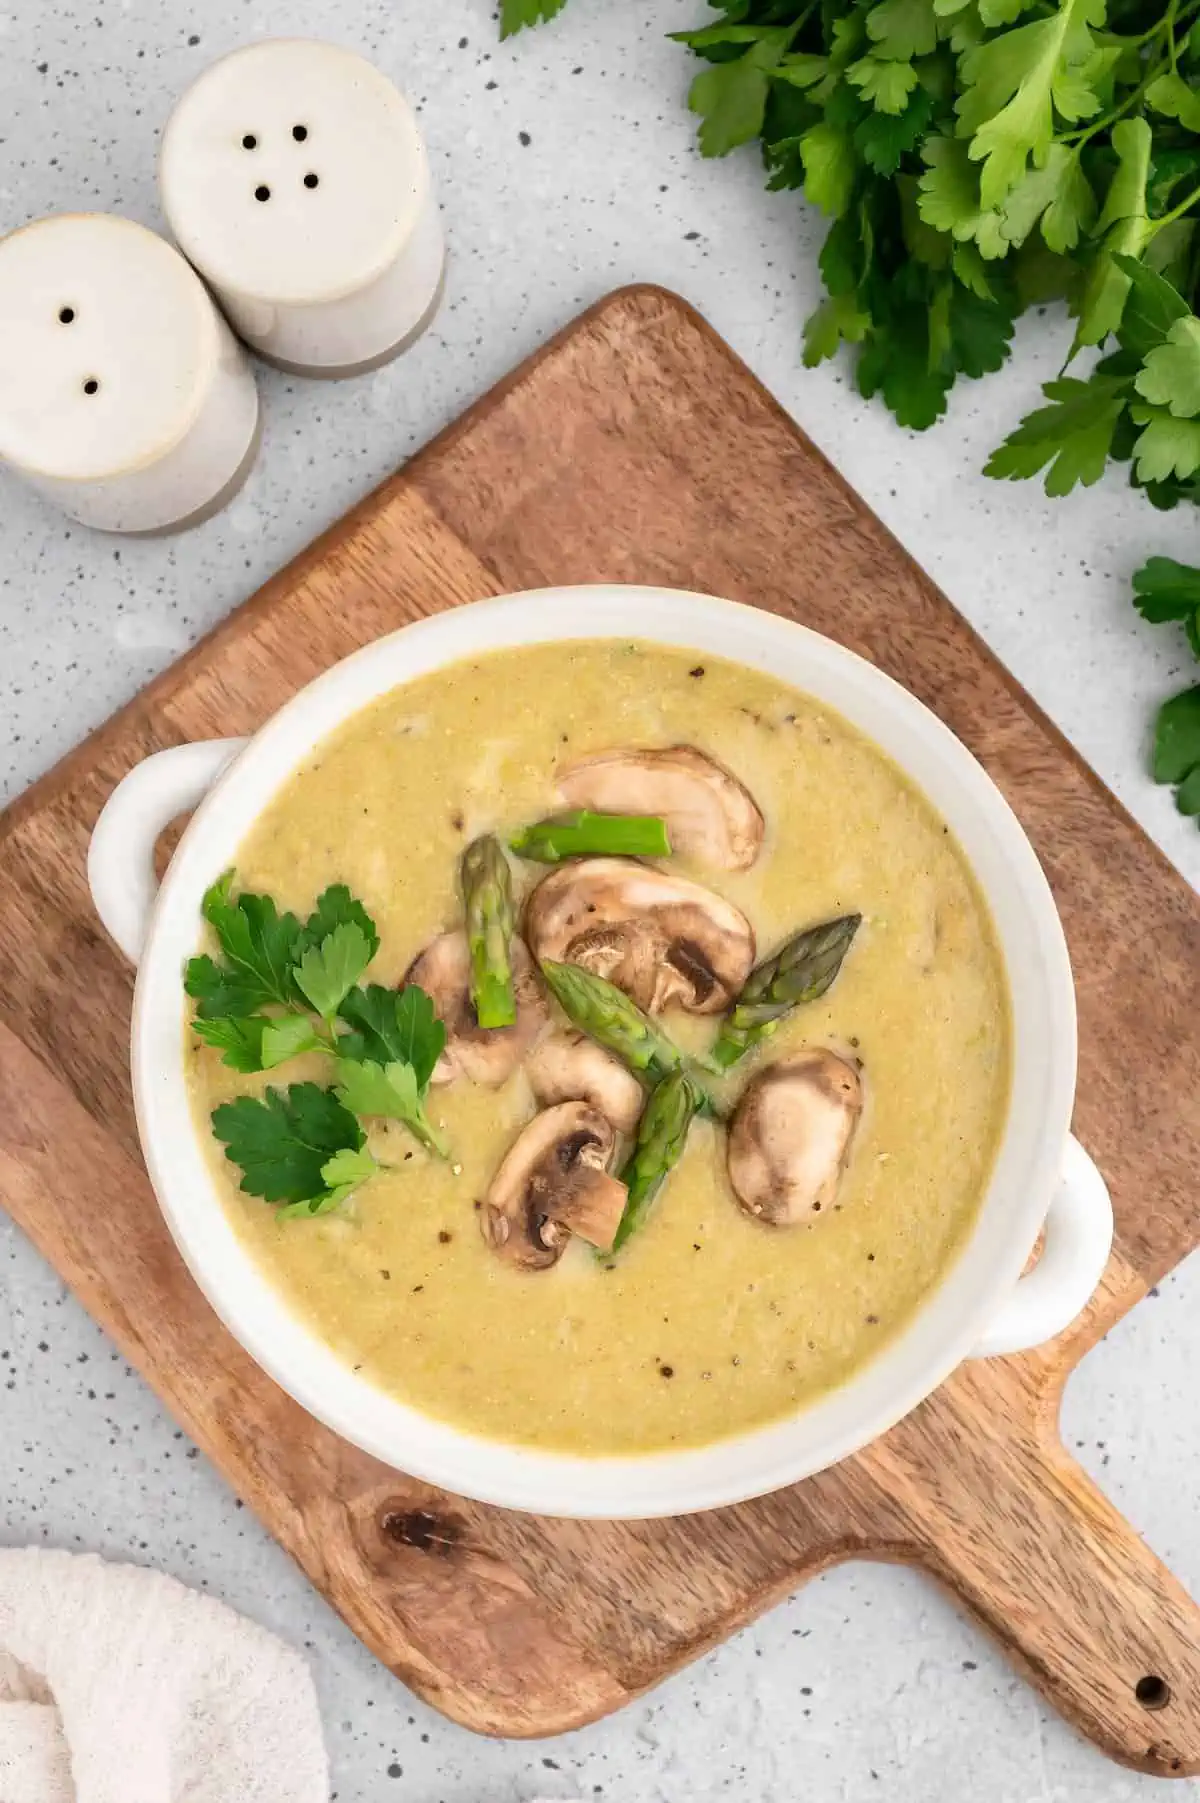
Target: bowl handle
121	853
1079	1230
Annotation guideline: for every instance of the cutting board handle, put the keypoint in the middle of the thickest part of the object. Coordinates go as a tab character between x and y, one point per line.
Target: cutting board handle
1018	1531
120	869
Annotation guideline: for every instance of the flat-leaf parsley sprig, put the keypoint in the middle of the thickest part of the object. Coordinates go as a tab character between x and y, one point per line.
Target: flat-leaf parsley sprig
282	988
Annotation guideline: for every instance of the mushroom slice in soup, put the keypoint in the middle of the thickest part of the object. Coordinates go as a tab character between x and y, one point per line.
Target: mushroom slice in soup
657	936
567	1066
790	1136
554	1182
482	1054
709	814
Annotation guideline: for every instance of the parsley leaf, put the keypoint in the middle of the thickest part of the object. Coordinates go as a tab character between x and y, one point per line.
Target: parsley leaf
283	1142
287	1036
902	29
1012	85
886	85
240	1040
882	139
261	1041
1177	748
1165	590
1175	98
390	1090
980	331
328	971
1170	375
837	320
1166	446
393	1026
897	363
1123	221
342	1175
731	97
259	946
1151	310
337	907
829	167
1073	435
515	14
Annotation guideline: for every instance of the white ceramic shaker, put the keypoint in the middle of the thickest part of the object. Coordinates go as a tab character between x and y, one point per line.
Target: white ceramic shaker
124	396
295	179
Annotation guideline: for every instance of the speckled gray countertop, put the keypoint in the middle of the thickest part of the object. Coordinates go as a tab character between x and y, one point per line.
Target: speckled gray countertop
566	167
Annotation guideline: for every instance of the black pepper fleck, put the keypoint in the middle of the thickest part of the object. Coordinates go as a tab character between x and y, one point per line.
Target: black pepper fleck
697	672
525	138
666	1370
444	1237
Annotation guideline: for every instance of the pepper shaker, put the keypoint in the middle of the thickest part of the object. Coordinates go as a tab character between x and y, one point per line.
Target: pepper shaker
124	396
295	180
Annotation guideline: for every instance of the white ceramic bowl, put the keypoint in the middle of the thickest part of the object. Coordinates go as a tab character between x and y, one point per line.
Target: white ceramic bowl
1041	1177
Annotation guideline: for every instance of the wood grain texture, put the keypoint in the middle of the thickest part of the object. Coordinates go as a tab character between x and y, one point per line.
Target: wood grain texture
637	448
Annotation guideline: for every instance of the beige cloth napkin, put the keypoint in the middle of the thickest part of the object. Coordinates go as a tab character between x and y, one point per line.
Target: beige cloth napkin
118	1685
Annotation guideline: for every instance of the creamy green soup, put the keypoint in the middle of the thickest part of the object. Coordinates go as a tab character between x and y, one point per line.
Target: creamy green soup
708	1322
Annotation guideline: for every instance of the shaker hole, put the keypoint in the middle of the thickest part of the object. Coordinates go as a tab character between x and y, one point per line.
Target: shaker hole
1152	1692
299	132
262	192
91	386
311	180
66	315
249	142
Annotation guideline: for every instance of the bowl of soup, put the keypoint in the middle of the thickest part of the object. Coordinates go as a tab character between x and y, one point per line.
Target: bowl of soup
604	1051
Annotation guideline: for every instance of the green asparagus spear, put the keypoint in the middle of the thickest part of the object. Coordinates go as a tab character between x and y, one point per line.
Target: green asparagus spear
661	1136
801	971
607	1015
487	896
584	835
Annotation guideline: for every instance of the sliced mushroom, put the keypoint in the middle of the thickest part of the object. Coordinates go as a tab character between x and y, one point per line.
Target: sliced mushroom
657	936
554	1182
568	1066
790	1136
710	815
482	1054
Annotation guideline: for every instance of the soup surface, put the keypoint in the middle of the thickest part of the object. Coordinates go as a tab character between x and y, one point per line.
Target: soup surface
707	1323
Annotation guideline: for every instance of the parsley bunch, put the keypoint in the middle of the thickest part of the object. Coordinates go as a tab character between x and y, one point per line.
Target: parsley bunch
283	988
978	157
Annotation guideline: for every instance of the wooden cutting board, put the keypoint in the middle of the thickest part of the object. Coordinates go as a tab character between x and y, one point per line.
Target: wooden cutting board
637	448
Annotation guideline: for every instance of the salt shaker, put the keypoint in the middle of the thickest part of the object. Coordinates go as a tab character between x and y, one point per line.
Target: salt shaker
295	180
124	397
